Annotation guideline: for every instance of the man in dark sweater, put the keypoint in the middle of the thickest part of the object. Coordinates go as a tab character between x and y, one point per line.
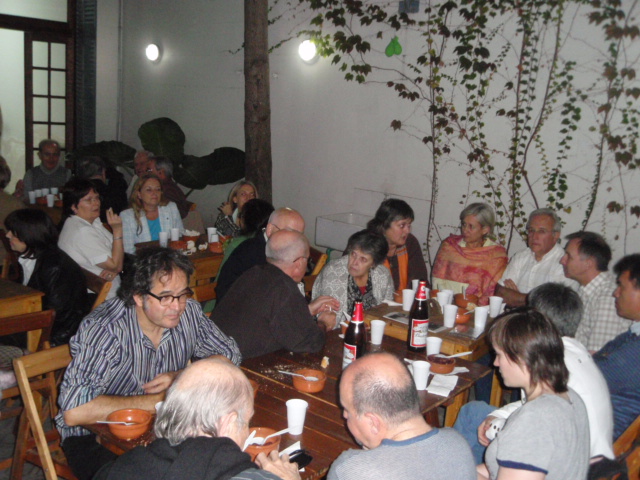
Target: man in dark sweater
251	252
200	430
265	310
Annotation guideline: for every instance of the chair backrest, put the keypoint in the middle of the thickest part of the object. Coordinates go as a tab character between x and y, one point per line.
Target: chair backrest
11	269
204	293
27	369
97	285
308	281
627	448
29	322
317	259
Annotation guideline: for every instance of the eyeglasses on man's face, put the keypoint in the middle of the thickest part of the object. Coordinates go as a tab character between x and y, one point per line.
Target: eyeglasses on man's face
166	300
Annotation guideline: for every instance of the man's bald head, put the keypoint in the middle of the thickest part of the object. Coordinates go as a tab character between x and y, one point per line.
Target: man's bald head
289	251
285	219
200	397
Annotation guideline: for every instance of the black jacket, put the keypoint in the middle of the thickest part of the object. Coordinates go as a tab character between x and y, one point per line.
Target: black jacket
65	291
248	254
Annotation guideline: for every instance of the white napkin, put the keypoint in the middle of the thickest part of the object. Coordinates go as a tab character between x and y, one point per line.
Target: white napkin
391	303
442	385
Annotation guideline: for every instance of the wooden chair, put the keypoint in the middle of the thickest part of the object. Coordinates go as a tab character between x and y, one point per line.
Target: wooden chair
308	281
204	293
11	269
36	373
317	260
97	285
627	449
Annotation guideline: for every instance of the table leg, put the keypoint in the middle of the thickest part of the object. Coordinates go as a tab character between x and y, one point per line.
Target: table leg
496	391
451	414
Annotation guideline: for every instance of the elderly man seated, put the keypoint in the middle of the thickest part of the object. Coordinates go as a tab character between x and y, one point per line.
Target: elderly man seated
50	173
128	351
265	309
200	430
382	410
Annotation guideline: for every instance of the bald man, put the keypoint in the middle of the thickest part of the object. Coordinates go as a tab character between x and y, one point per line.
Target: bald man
252	251
200	430
265	310
382	410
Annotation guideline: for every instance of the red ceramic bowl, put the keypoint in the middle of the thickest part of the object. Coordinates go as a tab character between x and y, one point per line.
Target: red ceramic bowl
463	301
41	200
307	386
463	316
193	238
142	420
272	444
440	364
178	244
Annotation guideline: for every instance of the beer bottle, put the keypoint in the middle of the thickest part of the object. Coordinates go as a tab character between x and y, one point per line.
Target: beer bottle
355	338
419	321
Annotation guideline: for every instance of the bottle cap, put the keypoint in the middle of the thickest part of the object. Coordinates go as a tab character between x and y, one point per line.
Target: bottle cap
358	313
421	293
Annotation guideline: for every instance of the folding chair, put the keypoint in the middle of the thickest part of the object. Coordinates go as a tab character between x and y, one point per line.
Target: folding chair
11	269
97	285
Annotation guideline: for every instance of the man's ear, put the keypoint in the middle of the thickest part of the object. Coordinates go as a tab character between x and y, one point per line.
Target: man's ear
228	425
374	422
139	300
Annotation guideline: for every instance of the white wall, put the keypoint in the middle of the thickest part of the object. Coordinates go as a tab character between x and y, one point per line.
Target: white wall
333	147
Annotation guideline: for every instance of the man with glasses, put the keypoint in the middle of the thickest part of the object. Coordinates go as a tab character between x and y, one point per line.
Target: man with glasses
252	252
538	264
128	351
265	310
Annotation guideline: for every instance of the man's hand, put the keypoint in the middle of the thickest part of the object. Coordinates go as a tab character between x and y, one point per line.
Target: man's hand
277	465
511	284
323	303
482	430
327	320
19	191
159	384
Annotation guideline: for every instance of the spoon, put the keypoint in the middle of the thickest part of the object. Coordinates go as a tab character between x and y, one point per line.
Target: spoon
249	439
308	379
261	441
116	423
462	354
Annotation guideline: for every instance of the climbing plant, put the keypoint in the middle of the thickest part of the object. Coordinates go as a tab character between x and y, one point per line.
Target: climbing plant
501	89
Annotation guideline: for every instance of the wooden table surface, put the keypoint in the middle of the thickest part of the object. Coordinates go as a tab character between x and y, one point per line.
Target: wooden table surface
325	435
16	299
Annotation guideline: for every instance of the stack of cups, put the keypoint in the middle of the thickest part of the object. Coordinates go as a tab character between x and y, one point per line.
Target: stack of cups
210	232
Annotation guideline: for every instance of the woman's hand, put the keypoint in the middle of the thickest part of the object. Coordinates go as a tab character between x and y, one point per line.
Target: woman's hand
277	465
114	220
324	303
482	431
226	208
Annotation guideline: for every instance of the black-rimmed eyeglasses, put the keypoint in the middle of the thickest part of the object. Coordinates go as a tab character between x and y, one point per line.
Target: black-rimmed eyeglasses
166	300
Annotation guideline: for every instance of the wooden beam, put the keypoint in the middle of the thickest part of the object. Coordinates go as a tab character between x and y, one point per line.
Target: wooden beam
25	24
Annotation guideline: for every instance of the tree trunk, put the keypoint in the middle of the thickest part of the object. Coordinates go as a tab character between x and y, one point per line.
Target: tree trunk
257	108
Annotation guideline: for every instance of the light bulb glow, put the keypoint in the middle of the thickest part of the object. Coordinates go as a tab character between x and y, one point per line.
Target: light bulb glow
307	50
153	52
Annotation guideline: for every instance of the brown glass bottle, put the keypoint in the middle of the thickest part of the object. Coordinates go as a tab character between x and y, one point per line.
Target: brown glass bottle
355	338
419	320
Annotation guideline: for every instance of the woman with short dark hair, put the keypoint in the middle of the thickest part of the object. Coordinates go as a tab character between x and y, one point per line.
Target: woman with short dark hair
359	275
404	258
33	237
548	437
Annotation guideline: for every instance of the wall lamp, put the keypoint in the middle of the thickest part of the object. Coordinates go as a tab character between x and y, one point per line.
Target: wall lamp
153	53
308	52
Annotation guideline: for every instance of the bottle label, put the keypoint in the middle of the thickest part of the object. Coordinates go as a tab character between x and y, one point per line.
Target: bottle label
419	330
349	354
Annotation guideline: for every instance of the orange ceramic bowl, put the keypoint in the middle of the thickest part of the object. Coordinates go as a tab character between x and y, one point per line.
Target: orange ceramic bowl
463	301
303	385
142	420
178	244
440	364
463	316
255	385
433	293
272	444
41	200
193	238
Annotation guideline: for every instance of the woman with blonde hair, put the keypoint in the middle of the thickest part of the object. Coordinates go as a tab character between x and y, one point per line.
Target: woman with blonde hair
150	213
227	222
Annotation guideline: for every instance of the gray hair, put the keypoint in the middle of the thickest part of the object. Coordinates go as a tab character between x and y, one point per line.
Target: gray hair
483	213
560	304
48	141
289	252
5	173
90	167
557	223
163	163
196	408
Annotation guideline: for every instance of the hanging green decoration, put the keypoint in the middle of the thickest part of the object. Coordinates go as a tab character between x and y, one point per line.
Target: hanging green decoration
394	48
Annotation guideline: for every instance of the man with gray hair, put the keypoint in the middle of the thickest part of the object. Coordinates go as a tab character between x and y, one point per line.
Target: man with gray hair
537	264
140	161
50	173
382	409
163	167
265	310
562	305
200	430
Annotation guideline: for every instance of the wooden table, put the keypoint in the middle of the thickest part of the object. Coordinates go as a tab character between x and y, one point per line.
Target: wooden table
452	340
16	299
205	262
325	435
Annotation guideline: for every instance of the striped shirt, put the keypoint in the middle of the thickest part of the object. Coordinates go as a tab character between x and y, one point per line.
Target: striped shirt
112	356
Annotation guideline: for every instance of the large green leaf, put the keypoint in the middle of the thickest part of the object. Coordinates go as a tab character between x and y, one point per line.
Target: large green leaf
223	165
163	136
116	153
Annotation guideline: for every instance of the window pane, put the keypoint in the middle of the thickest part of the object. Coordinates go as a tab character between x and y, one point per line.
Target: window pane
40	86
58	55
40	132
57	83
40	110
58	134
40	54
57	110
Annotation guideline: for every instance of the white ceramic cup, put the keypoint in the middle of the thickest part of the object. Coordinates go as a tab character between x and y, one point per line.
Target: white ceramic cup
443	298
296	411
164	239
54	190
45	192
211	231
38	192
32	197
420	370
50	199
450	312
175	234
377	331
407	299
480	317
494	306
414	284
433	345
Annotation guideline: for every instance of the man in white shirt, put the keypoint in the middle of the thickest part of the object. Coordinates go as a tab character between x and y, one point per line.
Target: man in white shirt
537	264
586	260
